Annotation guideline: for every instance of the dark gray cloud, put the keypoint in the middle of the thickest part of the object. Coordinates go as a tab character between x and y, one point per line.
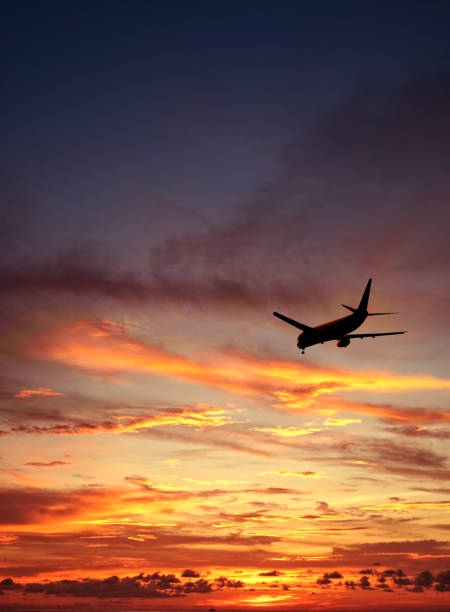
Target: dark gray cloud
143	586
329	576
370	163
373	161
188	573
224	582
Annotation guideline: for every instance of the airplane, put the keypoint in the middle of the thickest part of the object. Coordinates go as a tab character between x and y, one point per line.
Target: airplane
338	329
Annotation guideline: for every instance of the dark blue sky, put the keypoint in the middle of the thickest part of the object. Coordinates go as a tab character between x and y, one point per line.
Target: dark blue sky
190	102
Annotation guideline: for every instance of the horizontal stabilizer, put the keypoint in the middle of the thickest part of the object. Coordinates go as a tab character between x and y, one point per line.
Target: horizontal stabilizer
375	314
349	308
292	322
373	335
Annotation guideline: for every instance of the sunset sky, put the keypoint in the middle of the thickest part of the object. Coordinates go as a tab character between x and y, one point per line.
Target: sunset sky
172	173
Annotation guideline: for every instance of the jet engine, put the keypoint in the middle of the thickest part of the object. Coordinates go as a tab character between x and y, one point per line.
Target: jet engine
343	342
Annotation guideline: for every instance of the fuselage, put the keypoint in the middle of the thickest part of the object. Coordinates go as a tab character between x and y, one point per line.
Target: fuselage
333	330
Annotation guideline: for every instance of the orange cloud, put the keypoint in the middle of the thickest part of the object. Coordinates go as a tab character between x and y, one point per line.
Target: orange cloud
54	510
340	422
390	413
27	393
298	474
47	463
200	417
440	506
100	347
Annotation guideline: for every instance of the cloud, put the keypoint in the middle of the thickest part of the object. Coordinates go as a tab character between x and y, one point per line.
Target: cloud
35	506
155	586
424	579
325	508
160	585
188	573
52	508
275	491
228	519
329	576
330	422
86	343
80	415
8	584
47	463
392	454
440	506
421	432
70	546
224	582
439	491
363	152
76	270
288	431
199	417
380	148
387	456
219	441
80	277
408	548
307	474
143	586
27	393
395	415
199	586
443	581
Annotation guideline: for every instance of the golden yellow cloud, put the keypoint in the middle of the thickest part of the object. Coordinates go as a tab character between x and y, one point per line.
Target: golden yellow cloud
288	431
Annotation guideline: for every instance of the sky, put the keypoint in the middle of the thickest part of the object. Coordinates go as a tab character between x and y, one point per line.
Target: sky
171	174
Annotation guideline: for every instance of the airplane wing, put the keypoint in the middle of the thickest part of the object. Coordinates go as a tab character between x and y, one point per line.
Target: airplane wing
373	335
292	322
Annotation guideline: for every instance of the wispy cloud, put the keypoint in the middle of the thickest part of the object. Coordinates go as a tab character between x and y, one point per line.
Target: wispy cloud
47	463
297	474
104	348
403	506
288	432
330	422
199	417
45	392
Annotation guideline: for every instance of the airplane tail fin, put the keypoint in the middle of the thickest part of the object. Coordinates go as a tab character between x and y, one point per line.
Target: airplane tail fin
365	297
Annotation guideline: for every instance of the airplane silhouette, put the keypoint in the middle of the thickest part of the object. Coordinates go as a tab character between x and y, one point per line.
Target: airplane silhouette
340	328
